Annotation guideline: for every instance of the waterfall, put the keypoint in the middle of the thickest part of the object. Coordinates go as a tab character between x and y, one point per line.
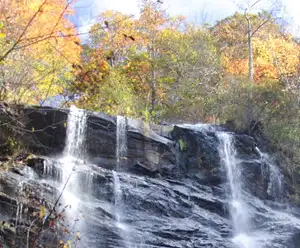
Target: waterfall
73	156
275	178
121	144
238	208
118	196
74	151
121	153
76	129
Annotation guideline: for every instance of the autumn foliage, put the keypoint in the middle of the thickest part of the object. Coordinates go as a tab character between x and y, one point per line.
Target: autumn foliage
276	54
36	53
154	66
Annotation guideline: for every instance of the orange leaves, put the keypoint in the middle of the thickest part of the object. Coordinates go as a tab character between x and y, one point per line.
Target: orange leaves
92	71
265	72
286	55
273	55
30	27
235	67
39	49
115	33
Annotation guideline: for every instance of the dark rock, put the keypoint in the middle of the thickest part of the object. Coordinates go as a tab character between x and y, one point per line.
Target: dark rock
197	154
4	158
294	242
45	132
246	145
17	171
171	190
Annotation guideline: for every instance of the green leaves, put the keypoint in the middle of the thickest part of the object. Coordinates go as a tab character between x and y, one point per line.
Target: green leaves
42	212
2	35
4	225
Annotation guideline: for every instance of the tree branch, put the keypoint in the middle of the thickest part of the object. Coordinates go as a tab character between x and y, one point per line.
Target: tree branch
23	32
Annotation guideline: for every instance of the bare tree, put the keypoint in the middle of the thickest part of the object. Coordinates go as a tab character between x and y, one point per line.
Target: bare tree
272	8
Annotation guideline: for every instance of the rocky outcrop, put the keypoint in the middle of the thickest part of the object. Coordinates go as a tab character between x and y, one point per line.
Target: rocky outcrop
168	150
43	131
173	185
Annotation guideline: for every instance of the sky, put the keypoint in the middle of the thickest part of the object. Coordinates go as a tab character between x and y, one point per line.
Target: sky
195	10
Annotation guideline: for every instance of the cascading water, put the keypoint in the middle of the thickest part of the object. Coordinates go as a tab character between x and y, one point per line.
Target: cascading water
73	156
121	152
118	198
238	208
182	208
121	145
76	130
275	185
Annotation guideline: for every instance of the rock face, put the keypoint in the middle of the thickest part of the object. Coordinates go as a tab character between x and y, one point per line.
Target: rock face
43	131
171	191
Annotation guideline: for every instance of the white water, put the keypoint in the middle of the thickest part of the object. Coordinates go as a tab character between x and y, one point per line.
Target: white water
121	146
73	156
275	187
76	130
243	206
202	127
118	197
238	208
272	224
121	153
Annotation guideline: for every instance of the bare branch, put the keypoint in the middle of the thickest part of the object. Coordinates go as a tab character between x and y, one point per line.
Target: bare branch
260	26
254	4
23	32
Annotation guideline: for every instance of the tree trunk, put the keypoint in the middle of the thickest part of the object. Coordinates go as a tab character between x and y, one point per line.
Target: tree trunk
249	107
250	50
153	90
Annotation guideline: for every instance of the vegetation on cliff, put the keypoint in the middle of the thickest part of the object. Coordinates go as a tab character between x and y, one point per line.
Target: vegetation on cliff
244	69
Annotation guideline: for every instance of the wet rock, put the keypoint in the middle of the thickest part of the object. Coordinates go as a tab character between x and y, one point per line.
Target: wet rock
197	154
294	242
172	184
245	146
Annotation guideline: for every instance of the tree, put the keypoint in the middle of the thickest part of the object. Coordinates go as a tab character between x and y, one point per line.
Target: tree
36	55
232	34
191	68
130	47
269	16
115	34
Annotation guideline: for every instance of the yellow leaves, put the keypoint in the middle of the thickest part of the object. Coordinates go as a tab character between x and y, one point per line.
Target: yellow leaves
34	5
272	57
42	213
236	66
4	225
2	35
286	55
262	53
46	51
62	244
